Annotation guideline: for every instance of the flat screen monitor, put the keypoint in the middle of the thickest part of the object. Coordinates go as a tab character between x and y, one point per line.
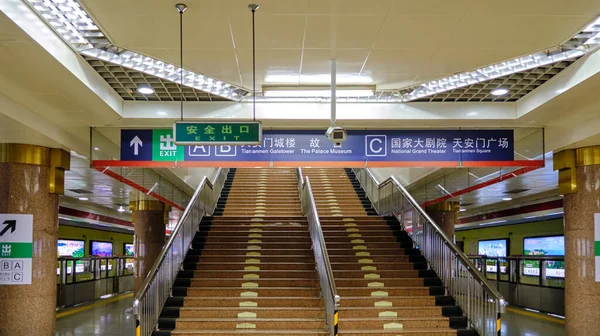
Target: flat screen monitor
544	246
128	250
101	249
493	247
71	248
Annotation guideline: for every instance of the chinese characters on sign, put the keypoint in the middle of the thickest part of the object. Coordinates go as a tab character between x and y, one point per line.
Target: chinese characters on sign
16	249
313	145
209	133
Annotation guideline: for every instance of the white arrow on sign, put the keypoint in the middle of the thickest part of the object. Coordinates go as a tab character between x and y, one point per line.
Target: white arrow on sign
136	143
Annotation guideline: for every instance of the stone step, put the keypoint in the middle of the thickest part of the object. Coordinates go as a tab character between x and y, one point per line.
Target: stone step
378	312
259	274
403	332
253	323
388	266
379	274
274	332
262	302
383	292
250	260
263	266
245	312
252	292
394	323
379	283
301	238
250	283
253	252
388	302
374	251
256	242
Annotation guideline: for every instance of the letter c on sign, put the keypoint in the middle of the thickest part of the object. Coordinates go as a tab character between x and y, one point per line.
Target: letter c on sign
373	149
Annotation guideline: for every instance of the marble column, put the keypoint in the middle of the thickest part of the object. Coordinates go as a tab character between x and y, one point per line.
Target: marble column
149	226
579	182
444	215
31	177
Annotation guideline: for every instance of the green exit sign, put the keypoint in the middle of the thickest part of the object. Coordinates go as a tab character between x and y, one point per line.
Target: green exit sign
217	133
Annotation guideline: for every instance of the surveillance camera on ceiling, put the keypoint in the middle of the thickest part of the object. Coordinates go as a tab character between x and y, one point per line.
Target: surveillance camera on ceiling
336	134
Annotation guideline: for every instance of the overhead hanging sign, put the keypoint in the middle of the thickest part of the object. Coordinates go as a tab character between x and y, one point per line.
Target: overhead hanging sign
16	249
217	133
402	146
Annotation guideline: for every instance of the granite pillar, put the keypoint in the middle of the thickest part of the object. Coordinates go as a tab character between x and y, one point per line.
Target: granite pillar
31	177
444	215
150	226
579	173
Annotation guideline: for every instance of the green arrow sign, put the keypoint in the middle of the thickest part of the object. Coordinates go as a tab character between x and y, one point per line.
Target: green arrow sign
217	133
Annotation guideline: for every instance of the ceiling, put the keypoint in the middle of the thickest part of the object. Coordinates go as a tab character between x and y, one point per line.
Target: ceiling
390	43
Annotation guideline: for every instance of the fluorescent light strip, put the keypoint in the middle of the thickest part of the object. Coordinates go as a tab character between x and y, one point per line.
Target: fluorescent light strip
490	72
317	93
77	28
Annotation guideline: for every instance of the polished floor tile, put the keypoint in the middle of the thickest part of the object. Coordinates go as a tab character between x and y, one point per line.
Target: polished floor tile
116	318
514	324
112	319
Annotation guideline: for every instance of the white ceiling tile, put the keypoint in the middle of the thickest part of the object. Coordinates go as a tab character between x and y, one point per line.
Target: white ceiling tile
350	31
269	62
349	7
272	31
160	32
526	33
390	61
267	7
348	61
428	7
412	32
448	61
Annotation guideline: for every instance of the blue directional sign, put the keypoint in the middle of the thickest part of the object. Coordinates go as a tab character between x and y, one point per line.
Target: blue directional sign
314	146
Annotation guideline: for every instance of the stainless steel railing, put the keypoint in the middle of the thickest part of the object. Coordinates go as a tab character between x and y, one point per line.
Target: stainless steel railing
328	289
156	288
479	300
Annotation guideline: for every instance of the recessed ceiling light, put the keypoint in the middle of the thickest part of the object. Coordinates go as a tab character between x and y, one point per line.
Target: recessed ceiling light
121	209
507	199
96	148
83	198
499	91
145	90
161	113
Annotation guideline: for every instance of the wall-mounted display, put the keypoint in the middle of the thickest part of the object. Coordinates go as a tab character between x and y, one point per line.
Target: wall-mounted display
101	249
128	250
544	246
71	248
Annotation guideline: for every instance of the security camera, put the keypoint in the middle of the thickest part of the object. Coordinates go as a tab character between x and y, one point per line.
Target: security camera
336	134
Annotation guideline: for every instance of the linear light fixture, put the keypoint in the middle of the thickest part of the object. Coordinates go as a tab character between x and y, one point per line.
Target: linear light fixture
489	72
317	91
76	27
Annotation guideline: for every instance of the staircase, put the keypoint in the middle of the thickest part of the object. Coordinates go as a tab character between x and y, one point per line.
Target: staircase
251	270
384	283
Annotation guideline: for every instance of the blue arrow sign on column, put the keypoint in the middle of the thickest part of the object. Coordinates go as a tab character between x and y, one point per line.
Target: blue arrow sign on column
136	145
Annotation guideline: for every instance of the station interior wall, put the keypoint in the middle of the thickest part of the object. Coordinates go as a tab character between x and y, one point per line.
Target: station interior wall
515	233
77	233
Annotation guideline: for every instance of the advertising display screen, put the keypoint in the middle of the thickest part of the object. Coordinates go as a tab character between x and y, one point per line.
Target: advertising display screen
493	248
544	246
71	248
128	250
101	249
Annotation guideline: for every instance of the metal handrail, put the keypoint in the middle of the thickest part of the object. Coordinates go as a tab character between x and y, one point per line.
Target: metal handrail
479	300
156	288
328	288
